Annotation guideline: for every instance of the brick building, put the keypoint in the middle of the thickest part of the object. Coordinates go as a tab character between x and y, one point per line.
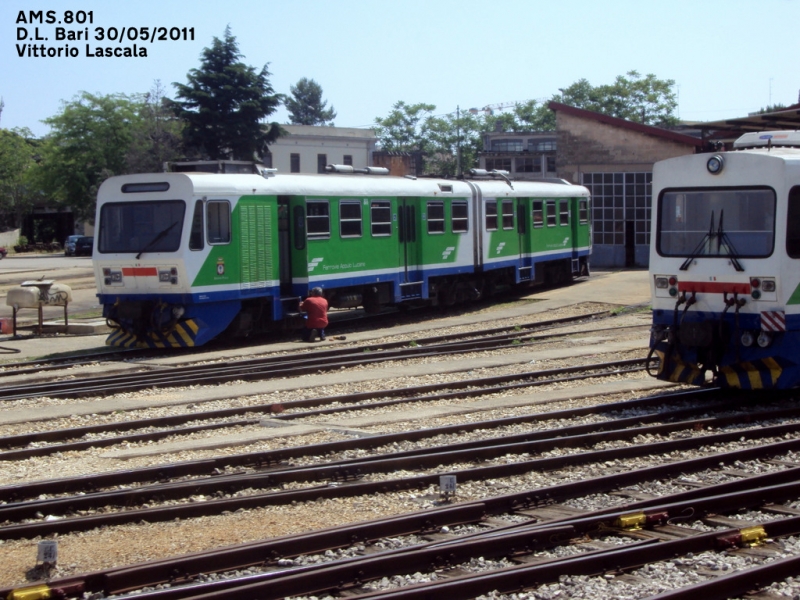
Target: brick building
614	159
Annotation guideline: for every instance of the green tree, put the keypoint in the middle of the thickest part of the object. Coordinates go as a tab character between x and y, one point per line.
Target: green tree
403	129
224	102
17	161
157	137
89	141
306	106
647	100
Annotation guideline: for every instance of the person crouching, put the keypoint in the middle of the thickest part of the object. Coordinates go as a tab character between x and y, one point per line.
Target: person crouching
316	309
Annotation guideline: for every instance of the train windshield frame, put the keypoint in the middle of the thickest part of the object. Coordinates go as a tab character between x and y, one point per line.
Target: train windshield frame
716	222
134	227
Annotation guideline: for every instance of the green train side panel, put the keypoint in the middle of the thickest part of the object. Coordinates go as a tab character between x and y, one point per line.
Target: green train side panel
549	238
440	248
249	261
336	256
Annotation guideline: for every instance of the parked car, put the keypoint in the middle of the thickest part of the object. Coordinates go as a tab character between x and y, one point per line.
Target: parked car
84	246
69	245
3	251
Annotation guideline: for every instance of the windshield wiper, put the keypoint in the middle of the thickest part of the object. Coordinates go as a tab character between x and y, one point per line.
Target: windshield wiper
699	248
724	240
160	236
721	238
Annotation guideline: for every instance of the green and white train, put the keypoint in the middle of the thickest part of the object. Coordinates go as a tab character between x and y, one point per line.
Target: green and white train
182	257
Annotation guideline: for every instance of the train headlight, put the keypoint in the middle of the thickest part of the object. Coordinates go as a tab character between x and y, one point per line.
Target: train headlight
756	294
764	339
747	339
768	285
177	311
715	164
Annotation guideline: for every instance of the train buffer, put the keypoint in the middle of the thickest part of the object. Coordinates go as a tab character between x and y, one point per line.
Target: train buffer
38	294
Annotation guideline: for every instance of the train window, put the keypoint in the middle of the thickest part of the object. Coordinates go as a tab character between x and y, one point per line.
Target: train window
538	215
350	218
508	214
152	226
218	213
583	211
563	210
196	235
435	217
716	222
318	219
793	224
551	213
381	217
460	217
491	215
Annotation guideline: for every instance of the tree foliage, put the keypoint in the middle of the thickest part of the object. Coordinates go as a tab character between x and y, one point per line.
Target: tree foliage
17	160
89	141
443	138
306	106
157	137
224	102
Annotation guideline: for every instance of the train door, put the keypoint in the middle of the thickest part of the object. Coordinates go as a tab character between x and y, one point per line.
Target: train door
523	239
284	246
410	267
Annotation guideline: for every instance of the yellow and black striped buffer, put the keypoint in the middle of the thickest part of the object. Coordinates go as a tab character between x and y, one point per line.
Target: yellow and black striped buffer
678	371
759	374
182	335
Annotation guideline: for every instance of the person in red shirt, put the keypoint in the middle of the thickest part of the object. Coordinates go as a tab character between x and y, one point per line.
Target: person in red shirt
316	309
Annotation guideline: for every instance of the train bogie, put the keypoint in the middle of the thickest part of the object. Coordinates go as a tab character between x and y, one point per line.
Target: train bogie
183	257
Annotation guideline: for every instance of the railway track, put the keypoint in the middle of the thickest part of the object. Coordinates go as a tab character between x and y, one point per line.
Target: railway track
294	365
529	543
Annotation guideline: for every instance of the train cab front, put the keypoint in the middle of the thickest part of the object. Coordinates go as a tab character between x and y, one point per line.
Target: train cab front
719	289
149	243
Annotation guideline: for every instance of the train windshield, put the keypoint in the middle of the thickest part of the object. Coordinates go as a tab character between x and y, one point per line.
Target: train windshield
141	226
718	222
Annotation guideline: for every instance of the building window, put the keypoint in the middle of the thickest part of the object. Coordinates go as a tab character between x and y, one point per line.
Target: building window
218	213
381	217
318	219
348	159
528	164
350	218
460	217
491	215
436	217
551	213
267	162
563	210
322	162
540	146
617	198
551	164
508	145
538	214
295	163
508	214
500	164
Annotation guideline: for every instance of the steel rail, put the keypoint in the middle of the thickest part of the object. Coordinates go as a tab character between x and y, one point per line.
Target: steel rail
211	507
185	568
351	469
270	458
251	369
529	378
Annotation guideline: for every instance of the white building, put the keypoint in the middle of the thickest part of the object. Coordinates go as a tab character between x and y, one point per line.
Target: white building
309	148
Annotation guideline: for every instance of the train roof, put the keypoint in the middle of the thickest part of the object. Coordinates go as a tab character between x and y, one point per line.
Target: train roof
194	183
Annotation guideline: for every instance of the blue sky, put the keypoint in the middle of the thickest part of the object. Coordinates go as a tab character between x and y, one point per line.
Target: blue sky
727	57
